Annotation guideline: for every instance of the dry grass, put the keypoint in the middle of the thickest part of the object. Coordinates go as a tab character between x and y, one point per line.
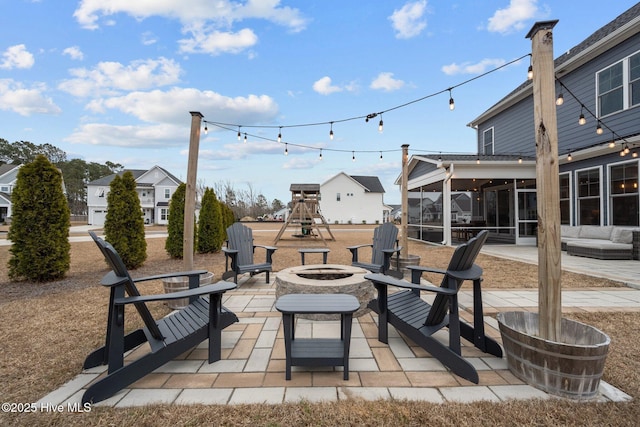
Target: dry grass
48	329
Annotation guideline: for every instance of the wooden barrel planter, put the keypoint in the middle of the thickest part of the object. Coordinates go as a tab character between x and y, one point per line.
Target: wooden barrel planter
175	284
570	368
406	261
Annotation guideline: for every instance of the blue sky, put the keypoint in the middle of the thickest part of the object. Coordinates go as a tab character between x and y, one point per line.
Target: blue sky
115	80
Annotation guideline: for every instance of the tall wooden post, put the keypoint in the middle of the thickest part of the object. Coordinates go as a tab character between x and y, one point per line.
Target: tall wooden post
190	195
404	222
547	180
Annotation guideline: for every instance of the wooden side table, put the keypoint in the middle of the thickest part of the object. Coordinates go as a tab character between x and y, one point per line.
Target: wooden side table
317	351
323	251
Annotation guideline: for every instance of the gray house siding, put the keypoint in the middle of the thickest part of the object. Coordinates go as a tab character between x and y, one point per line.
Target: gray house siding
512	130
421	168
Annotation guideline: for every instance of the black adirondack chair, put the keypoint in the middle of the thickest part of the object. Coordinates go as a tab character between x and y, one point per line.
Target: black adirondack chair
240	250
384	246
418	320
204	317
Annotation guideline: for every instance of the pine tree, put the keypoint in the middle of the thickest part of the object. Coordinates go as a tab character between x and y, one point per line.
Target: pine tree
124	224
175	240
39	232
210	223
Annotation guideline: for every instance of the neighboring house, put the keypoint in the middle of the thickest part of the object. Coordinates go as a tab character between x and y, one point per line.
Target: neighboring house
154	187
598	169
353	199
8	176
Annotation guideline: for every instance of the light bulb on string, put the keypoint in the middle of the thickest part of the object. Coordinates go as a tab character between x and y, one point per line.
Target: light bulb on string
581	119
380	125
239	136
245	137
560	99
206	130
381	156
280	135
452	104
530	69
331	132
286	149
353	156
321	154
626	149
520	159
569	157
599	128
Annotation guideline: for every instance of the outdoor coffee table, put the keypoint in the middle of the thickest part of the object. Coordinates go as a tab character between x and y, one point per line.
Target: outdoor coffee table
317	351
323	251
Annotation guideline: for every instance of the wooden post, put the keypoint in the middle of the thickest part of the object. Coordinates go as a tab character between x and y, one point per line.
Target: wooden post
190	195
404	223
547	180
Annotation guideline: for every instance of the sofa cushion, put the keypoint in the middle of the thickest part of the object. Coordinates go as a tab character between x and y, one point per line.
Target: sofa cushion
599	244
596	232
622	235
569	231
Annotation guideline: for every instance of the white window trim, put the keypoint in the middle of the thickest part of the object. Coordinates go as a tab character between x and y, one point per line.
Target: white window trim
626	94
601	189
609	195
572	219
493	140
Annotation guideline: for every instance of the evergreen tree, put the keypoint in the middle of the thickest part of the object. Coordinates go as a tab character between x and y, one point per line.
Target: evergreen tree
124	224
39	232
175	240
210	223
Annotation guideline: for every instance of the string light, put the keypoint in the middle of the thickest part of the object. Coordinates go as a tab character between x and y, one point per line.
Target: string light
286	149
626	149
380	125
560	99
582	120
280	135
569	157
478	160
520	159
239	136
452	104
381	156
331	132
321	154
353	156
530	69
206	130
599	128
634	154
245	137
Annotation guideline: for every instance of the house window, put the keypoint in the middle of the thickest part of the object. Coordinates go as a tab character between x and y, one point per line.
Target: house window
167	193
4	189
618	86
337	197
623	184
100	192
164	214
589	197
487	141
565	198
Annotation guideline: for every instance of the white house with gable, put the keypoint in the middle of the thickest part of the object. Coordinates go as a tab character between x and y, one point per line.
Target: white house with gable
8	177
154	187
353	199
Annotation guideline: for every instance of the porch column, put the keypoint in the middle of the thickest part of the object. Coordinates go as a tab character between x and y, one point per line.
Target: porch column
446	210
404	240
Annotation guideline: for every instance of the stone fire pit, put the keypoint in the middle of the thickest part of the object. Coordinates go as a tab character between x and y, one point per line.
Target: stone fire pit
326	279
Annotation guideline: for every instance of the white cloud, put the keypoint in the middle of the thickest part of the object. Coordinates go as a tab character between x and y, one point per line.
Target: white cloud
513	17
111	77
148	38
386	82
324	87
408	21
131	136
25	101
469	68
239	151
16	57
218	42
297	162
172	105
209	23
74	52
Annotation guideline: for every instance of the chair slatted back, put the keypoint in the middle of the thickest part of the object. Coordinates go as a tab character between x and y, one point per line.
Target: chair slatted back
120	270
384	237
462	259
240	238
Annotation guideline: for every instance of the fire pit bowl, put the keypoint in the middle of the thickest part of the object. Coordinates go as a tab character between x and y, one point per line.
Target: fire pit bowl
326	279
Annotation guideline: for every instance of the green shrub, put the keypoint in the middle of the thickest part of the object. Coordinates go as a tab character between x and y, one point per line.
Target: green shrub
210	224
40	249
124	224
175	240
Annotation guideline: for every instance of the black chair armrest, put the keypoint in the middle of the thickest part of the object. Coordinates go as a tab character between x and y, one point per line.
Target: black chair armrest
417	270
354	251
473	273
215	288
111	279
392	281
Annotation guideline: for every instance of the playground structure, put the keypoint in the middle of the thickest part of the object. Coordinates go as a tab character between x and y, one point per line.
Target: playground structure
305	216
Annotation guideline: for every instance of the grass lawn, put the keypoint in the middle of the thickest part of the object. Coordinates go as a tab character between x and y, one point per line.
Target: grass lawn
48	329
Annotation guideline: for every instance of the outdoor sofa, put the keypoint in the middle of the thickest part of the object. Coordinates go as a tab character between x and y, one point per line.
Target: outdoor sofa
601	242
